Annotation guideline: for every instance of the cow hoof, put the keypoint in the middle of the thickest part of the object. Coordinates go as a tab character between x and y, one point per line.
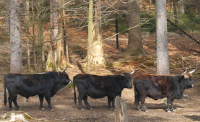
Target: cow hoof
173	110
17	108
90	108
111	108
51	109
42	108
168	111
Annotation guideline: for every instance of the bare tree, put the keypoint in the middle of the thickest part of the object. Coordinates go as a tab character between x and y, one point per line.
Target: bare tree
161	38
90	27
15	38
135	38
95	45
56	57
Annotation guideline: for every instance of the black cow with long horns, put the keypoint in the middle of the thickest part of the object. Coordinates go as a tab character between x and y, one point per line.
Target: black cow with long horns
100	86
45	85
159	86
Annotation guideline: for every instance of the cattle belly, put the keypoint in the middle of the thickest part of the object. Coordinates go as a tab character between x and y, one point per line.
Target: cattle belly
154	94
94	93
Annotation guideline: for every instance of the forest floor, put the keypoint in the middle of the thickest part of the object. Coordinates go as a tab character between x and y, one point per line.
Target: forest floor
188	108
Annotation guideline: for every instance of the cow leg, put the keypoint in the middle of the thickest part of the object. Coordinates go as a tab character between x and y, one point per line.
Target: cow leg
172	101
136	102
48	99
144	108
168	104
80	98
113	104
10	99
109	102
86	102
41	97
15	102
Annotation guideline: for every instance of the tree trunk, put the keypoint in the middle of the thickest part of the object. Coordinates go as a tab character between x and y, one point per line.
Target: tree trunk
7	2
161	39
95	53
97	44
15	38
181	7
90	27
175	12
39	49
135	38
56	57
27	6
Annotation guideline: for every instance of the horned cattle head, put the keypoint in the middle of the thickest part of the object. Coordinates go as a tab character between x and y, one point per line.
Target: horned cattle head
188	74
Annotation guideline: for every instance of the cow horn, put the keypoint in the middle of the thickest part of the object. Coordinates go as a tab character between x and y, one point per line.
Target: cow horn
133	71
64	69
184	72
192	71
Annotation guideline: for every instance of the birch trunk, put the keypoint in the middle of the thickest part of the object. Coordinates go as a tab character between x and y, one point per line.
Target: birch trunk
15	38
161	39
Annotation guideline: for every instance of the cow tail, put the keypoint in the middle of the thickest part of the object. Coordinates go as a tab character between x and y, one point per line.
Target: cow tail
5	96
74	90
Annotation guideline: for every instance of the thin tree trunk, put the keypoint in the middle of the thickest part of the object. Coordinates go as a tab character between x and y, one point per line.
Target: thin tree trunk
161	39
90	27
27	30
175	12
15	38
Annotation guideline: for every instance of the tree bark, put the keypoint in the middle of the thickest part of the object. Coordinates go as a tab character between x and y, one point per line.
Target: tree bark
90	27
15	38
161	39
135	38
97	44
175	12
55	59
181	7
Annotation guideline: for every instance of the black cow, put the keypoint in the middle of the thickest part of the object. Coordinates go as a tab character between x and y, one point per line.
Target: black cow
44	85
100	86
157	87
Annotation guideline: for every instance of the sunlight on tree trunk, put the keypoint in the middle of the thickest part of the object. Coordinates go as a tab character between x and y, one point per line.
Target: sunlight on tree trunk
97	44
95	54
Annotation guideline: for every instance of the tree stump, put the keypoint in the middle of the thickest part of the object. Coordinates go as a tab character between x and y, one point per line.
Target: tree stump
120	110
